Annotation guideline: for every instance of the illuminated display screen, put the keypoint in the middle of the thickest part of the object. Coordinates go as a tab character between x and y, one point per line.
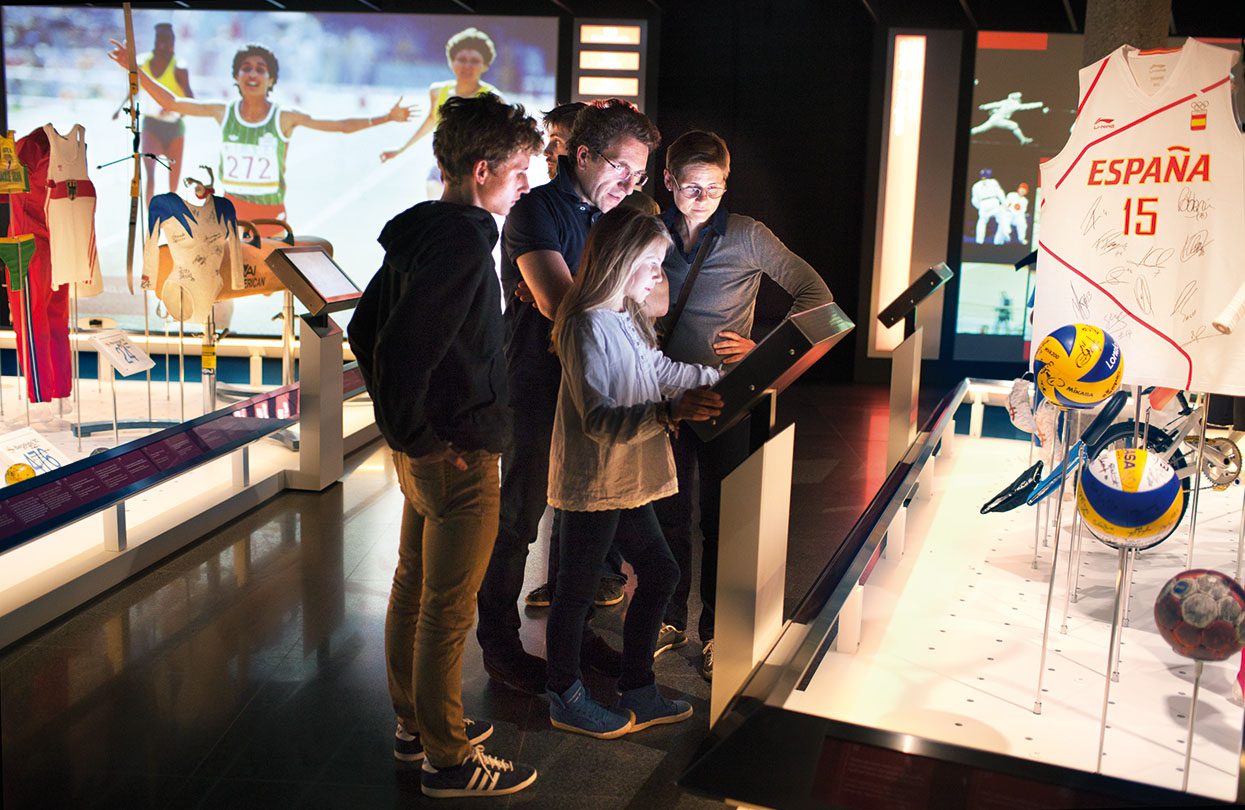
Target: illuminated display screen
331	67
1024	103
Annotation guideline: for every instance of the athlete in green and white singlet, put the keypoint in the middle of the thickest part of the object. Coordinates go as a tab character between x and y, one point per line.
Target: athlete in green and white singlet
255	131
252	158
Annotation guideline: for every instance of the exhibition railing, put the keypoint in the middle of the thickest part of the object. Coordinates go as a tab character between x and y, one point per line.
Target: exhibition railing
57	498
760	753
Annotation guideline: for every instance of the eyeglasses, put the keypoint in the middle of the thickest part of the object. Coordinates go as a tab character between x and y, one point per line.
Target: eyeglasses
638	178
695	192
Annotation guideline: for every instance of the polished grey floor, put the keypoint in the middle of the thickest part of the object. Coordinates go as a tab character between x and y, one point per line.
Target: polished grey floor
248	670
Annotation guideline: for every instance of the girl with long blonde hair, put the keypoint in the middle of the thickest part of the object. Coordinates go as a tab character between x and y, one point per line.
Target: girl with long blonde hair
609	460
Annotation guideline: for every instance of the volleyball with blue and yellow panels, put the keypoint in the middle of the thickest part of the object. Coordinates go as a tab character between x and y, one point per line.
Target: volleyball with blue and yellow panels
1130	497
1078	366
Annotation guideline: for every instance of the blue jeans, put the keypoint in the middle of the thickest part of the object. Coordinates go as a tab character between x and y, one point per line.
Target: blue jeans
586	538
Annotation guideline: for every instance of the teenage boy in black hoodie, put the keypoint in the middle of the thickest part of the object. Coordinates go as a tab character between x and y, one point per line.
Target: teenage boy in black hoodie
428	337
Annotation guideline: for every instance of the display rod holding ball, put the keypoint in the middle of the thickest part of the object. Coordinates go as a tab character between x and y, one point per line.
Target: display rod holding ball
1075	366
1201	614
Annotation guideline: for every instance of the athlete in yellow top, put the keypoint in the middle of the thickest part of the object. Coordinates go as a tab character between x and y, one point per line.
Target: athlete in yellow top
164	132
470	52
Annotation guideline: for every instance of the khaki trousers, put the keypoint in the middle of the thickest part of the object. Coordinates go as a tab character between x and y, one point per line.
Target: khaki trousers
449	524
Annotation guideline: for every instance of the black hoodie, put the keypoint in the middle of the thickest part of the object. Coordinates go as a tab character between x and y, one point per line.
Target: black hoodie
428	332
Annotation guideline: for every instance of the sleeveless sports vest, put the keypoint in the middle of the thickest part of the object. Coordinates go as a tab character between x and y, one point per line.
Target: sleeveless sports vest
445	91
167	78
252	157
1143	222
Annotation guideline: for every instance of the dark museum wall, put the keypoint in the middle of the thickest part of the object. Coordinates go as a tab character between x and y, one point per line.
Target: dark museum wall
787	85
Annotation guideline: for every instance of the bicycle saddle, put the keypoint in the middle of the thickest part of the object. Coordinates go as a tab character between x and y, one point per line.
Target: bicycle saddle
1016	493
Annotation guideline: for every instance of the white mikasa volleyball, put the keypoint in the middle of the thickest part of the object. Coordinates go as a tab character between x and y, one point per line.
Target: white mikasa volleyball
1130	498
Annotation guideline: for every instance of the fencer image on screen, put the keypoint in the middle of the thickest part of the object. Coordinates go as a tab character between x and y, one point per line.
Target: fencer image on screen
292	111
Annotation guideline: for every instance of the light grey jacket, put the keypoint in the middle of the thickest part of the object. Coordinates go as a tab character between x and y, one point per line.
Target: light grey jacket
609	450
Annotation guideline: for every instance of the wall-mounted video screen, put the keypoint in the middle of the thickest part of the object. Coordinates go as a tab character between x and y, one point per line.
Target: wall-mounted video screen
327	67
1025	96
1024	103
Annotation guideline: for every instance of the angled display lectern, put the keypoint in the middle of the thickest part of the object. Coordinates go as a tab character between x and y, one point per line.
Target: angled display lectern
756	496
322	287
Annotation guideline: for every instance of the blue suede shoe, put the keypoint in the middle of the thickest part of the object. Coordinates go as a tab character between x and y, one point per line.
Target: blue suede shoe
574	710
651	708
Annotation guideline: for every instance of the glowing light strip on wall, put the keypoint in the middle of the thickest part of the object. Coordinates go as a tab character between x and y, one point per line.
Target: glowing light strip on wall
609	60
899	195
609	34
609	86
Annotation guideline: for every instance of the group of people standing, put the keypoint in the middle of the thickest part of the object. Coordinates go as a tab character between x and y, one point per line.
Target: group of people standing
617	323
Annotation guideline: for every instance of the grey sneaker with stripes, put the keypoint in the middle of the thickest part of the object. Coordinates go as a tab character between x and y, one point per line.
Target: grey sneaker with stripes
480	774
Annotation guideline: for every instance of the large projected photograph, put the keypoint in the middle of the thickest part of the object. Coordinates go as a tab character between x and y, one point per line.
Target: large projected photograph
323	121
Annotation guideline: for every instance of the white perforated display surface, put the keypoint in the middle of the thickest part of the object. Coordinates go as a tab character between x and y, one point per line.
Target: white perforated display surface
952	637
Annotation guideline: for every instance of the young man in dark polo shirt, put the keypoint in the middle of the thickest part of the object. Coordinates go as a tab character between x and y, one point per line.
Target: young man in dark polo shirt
428	337
542	240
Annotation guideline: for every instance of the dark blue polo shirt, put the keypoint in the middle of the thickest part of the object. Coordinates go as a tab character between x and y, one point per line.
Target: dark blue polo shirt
549	217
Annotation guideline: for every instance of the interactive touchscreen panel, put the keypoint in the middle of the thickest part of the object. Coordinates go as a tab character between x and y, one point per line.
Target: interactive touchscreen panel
314	278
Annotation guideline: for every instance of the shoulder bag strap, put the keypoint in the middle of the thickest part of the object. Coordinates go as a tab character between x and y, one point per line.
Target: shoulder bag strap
686	290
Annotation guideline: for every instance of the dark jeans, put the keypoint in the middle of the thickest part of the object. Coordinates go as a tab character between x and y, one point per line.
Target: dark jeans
586	539
610	569
524	494
713	461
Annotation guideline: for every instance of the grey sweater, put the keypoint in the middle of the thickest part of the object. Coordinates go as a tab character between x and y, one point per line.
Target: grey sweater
724	295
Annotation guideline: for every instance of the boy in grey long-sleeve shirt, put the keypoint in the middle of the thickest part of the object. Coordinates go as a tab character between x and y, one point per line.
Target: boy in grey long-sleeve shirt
724	296
713	328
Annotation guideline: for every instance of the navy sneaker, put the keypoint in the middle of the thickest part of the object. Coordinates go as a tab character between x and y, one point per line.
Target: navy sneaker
539	597
479	775
574	710
651	708
408	748
669	638
517	669
609	592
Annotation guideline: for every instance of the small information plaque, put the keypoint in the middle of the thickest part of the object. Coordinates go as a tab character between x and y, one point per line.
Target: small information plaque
28	446
121	353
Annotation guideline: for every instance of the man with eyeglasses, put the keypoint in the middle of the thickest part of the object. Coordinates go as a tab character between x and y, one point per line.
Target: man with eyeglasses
558	123
712	327
542	240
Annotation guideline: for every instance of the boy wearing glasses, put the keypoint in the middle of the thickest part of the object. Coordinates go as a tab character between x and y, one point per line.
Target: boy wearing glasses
712	328
542	240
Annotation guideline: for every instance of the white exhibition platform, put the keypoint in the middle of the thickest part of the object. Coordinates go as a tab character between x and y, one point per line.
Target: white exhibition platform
952	630
46	577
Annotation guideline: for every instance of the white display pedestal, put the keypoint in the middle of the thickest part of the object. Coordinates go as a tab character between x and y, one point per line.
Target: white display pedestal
905	388
752	565
320	447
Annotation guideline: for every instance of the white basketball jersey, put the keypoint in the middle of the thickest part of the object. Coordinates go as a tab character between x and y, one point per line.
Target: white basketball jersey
1143	217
